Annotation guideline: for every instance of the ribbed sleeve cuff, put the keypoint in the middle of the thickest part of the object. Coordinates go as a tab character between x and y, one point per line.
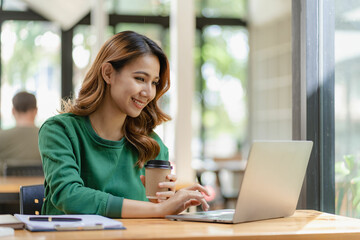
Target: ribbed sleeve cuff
114	206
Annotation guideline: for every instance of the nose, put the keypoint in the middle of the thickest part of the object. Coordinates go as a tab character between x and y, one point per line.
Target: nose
143	93
148	91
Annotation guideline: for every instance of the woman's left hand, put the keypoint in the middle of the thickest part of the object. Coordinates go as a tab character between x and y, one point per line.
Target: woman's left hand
171	186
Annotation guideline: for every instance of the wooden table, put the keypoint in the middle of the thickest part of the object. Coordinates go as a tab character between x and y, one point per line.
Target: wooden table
12	184
304	224
10	187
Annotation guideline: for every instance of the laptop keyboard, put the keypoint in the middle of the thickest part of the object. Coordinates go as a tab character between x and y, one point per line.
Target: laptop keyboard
215	215
225	216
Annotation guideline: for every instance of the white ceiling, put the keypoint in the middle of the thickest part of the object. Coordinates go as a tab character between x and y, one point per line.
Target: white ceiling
64	12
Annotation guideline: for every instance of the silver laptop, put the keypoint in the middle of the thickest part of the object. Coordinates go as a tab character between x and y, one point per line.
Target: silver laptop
270	187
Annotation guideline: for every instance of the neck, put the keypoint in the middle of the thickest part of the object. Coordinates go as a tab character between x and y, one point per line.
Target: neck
25	124
108	123
25	120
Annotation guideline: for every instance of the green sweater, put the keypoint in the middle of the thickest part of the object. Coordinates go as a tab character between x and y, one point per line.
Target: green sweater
85	174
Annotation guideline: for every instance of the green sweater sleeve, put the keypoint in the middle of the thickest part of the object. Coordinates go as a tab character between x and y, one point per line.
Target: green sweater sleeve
64	188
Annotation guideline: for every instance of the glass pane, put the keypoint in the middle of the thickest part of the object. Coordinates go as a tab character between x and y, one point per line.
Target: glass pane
347	111
82	54
221	8
153	31
30	54
140	7
220	104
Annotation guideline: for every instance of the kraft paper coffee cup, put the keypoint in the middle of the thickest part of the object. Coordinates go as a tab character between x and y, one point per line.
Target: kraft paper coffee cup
156	172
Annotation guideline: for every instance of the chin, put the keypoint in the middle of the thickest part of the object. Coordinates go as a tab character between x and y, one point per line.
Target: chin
134	115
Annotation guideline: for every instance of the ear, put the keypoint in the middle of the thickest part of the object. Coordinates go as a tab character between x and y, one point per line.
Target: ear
106	71
15	113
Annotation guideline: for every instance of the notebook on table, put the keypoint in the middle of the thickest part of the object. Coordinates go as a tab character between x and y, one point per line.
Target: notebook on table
8	220
69	222
270	187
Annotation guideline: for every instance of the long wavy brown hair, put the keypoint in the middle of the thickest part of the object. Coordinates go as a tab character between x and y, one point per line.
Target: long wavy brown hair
119	50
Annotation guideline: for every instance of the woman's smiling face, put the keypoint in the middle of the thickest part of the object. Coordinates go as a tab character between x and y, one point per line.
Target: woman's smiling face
134	86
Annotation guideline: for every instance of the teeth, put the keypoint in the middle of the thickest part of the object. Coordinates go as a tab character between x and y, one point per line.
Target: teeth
138	103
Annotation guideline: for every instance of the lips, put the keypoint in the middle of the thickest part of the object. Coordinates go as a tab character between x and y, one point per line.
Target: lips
139	104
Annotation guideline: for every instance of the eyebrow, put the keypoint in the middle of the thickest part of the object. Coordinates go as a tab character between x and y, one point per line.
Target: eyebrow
145	73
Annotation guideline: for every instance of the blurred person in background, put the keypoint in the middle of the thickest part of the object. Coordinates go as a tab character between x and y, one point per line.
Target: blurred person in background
19	145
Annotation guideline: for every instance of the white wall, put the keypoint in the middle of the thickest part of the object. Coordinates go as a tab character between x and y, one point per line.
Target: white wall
270	80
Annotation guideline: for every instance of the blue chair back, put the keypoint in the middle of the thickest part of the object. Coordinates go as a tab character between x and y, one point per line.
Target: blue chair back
31	199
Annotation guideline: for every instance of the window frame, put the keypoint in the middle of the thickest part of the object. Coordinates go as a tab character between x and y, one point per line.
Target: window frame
313	97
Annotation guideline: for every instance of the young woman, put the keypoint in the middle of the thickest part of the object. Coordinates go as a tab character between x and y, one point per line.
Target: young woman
93	153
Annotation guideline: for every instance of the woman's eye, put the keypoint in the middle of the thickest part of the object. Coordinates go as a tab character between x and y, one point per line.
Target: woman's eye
140	79
156	83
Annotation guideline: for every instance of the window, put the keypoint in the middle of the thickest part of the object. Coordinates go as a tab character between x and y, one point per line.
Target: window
221	9
221	103
30	57
82	54
52	72
347	110
140	7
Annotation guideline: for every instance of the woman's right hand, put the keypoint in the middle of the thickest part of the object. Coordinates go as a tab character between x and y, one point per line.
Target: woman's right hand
183	199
